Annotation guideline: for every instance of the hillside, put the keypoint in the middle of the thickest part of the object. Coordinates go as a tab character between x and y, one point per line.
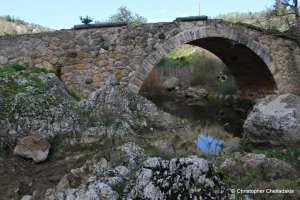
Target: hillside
11	26
260	19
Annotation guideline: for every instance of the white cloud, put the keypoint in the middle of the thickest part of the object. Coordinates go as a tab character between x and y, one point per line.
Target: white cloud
182	15
162	11
160	20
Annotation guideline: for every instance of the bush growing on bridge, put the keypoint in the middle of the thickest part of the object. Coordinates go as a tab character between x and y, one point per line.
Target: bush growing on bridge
86	20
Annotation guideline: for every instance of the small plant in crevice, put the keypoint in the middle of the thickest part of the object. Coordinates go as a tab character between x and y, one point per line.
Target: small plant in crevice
116	83
132	106
116	156
73	94
245	144
162	36
237	181
134	95
239	23
35	69
119	186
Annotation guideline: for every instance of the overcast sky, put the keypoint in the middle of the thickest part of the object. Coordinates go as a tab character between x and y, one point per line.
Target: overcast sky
58	14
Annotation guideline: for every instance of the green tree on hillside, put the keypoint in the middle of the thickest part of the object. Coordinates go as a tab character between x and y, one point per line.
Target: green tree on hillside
125	15
285	8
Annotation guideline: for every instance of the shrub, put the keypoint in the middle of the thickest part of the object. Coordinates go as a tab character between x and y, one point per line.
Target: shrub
73	94
228	87
205	74
86	20
162	36
17	67
153	83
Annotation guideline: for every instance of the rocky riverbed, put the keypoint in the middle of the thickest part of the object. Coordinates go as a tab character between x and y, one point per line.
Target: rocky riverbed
118	145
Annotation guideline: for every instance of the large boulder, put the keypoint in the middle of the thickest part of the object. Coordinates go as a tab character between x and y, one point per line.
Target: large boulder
179	178
35	104
114	105
171	83
33	147
275	120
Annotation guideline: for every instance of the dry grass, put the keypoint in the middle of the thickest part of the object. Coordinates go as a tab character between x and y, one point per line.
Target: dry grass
153	83
15	27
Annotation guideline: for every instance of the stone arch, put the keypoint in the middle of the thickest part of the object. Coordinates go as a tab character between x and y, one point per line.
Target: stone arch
265	82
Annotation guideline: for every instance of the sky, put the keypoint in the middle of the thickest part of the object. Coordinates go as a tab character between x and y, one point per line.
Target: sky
64	14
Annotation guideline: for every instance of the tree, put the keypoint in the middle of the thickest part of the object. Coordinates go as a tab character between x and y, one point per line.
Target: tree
286	8
125	15
86	20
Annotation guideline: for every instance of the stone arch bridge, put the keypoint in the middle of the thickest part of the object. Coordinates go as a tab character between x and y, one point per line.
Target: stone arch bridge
261	61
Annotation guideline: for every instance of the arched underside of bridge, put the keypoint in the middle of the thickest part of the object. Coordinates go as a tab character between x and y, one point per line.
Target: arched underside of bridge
251	73
248	62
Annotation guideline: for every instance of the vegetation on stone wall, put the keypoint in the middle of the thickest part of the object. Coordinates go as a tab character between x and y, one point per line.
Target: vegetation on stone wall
86	20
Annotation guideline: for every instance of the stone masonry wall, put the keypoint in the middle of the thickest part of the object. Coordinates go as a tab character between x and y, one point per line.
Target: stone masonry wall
85	57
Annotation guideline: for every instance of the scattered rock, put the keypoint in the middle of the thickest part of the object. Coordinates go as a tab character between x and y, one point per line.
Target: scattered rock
27	197
171	83
33	147
253	161
275	168
196	93
275	120
231	166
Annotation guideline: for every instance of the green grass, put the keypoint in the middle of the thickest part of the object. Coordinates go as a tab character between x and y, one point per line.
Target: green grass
34	69
73	94
11	68
17	67
182	53
116	83
288	155
132	106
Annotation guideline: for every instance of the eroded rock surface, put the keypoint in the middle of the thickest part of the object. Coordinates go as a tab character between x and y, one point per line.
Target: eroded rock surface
275	120
133	112
178	178
36	104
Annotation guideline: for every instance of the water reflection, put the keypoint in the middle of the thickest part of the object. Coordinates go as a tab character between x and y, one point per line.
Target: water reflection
208	143
209	115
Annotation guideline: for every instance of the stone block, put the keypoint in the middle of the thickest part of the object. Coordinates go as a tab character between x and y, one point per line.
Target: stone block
133	87
136	81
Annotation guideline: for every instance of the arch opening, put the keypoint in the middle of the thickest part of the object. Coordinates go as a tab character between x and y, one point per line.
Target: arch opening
252	75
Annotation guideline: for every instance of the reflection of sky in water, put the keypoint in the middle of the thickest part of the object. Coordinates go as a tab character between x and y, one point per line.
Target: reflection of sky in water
208	143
